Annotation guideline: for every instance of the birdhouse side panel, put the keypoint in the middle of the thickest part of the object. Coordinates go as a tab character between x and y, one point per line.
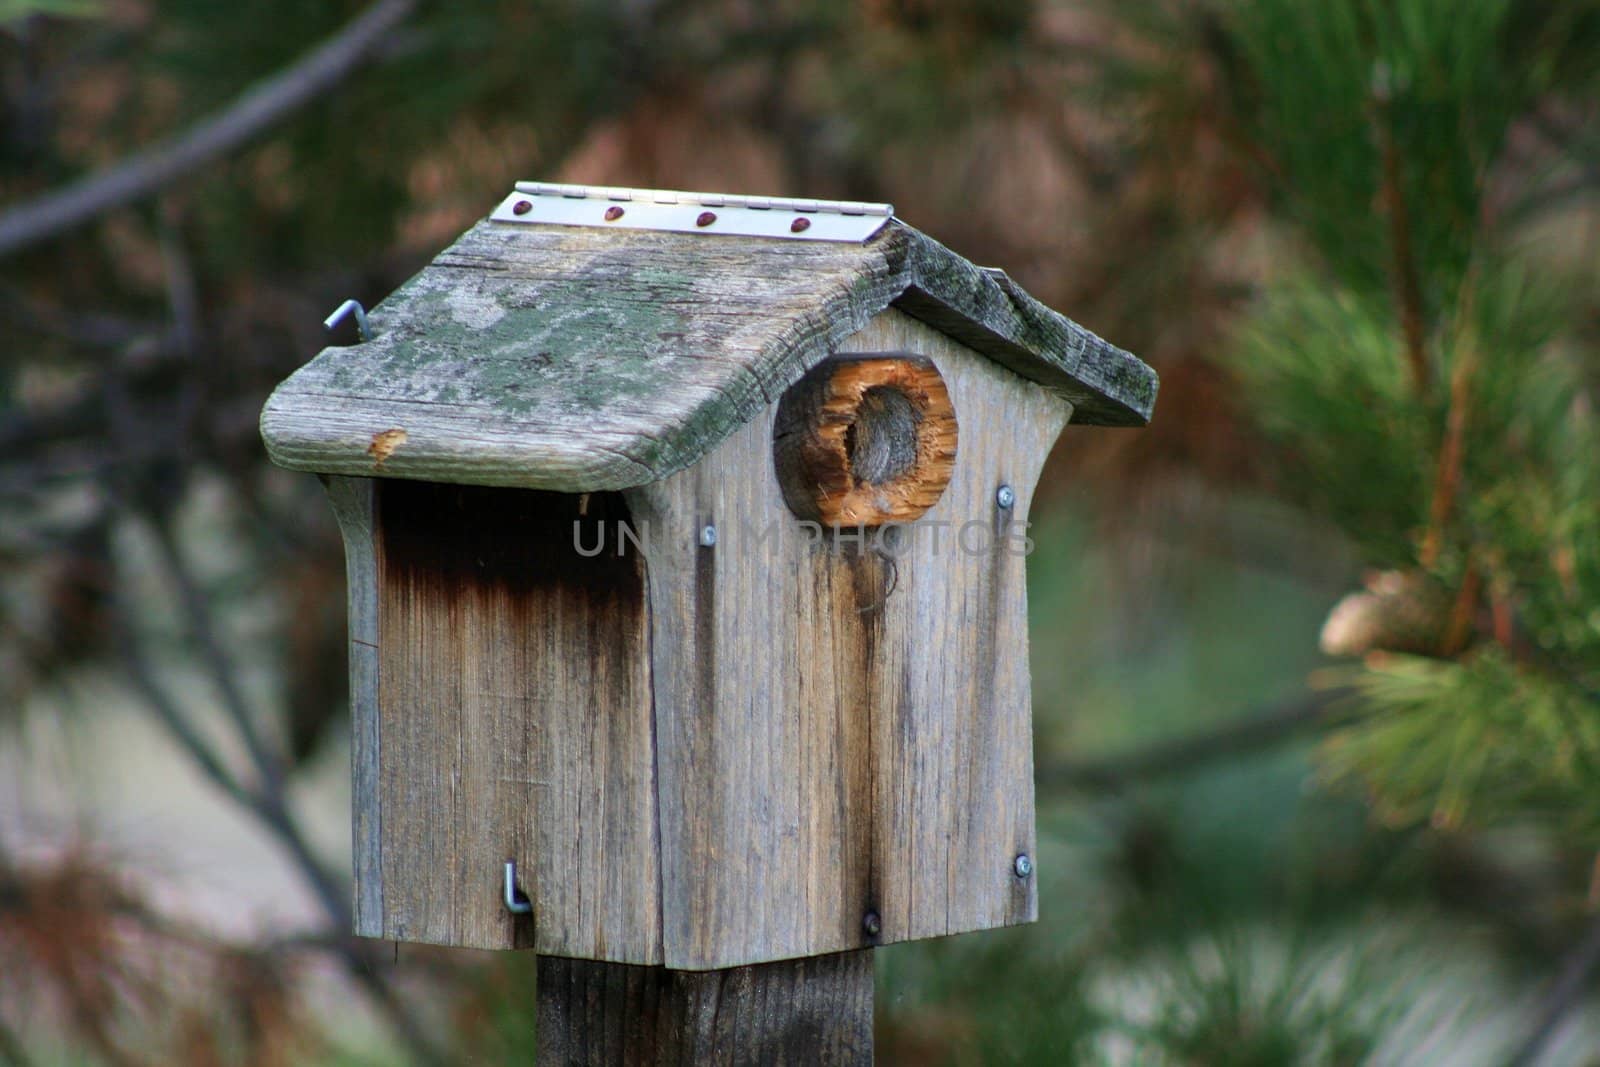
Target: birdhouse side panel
844	735
513	723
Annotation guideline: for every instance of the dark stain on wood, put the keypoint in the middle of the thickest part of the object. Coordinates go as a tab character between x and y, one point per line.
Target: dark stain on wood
705	626
869	578
514	700
451	538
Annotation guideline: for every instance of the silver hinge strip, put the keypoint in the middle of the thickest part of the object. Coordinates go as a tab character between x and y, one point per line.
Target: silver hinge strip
679	212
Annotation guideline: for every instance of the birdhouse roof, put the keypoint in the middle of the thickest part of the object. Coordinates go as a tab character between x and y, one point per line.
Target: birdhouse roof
590	339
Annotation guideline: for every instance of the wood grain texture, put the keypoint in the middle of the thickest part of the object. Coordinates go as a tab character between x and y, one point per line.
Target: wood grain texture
843	729
514	706
353	501
796	1012
865	440
579	359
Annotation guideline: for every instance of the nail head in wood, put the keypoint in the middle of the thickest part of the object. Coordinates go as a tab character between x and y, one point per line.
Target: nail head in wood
865	440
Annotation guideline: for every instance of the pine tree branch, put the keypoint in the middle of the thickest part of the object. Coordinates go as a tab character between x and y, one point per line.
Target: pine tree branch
1407	283
1262	729
262	106
1447	477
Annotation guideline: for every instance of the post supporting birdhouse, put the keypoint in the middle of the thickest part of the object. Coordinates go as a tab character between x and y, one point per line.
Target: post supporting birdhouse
686	538
813	1010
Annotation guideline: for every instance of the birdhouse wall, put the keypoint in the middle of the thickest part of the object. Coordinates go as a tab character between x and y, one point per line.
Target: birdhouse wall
702	756
502	712
843	738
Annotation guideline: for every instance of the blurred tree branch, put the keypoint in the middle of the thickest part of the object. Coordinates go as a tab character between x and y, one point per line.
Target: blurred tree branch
11	1049
264	105
263	796
148	410
1261	729
1565	994
265	799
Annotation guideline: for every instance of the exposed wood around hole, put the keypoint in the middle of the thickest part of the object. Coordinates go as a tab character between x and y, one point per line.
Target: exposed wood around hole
865	440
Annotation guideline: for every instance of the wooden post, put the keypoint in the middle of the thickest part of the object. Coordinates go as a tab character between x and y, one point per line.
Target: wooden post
814	1010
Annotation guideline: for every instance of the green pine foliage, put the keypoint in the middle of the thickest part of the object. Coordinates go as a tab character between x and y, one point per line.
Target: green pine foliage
1330	89
1325	376
1472	465
1477	741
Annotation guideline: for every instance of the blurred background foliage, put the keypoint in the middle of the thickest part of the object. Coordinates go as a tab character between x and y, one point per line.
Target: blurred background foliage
1316	656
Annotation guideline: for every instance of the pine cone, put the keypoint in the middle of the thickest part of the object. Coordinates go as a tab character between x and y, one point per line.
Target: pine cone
1400	611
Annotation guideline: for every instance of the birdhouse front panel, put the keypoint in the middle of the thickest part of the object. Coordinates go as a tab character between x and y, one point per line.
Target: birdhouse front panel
686	543
843	733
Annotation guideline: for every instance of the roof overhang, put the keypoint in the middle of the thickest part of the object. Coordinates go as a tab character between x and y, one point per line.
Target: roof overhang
574	356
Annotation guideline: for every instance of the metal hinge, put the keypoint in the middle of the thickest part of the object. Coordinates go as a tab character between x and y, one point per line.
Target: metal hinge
680	212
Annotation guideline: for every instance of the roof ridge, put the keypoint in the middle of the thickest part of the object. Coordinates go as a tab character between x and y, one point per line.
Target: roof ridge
731	200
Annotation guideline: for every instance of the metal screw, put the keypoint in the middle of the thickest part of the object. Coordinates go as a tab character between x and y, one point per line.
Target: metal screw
1022	865
613	213
706	218
799	225
524	906
350	307
522	207
872	924
708	535
1006	497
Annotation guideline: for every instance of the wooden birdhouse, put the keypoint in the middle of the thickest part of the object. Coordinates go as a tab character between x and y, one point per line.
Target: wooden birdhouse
686	541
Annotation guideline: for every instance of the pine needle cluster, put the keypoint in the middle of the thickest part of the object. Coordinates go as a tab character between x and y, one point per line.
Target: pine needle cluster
1422	380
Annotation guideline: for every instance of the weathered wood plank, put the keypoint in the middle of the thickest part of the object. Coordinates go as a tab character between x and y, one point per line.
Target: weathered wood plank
514	699
962	635
803	1012
844	734
353	507
582	359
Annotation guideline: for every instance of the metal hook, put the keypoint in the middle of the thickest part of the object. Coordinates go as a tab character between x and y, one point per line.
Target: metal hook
513	905
349	307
